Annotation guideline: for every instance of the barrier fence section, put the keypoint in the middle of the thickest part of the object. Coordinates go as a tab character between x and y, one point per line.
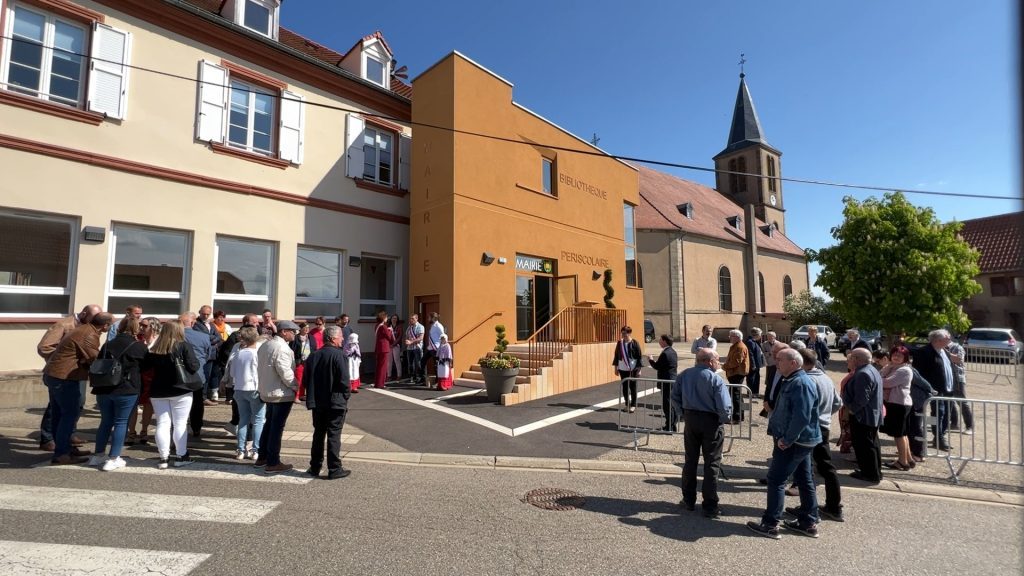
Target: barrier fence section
971	430
991	361
653	402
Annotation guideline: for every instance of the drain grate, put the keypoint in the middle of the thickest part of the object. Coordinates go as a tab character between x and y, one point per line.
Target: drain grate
554	499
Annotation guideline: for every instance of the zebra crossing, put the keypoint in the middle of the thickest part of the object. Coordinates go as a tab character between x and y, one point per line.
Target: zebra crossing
51	503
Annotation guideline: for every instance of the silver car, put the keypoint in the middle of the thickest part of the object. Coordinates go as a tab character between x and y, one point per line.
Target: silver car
993	344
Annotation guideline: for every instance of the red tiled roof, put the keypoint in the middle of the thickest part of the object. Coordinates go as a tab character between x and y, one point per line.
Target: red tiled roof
309	47
661	193
998	238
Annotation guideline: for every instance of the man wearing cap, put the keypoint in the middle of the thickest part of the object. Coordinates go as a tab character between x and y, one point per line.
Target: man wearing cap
277	386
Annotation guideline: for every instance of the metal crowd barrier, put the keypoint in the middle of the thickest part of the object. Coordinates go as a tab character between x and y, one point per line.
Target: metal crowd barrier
991	361
649	417
995	437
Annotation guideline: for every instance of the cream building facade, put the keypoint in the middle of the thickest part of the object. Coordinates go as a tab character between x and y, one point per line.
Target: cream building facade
180	153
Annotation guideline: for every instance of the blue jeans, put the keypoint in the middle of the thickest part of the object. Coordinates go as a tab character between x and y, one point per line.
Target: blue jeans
251	410
270	443
114	412
793	461
65	406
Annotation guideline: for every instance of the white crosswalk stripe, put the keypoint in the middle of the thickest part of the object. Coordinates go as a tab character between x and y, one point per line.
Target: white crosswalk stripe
35	558
201	470
132	504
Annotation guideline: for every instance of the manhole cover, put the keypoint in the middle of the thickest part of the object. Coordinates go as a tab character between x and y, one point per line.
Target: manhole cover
554	499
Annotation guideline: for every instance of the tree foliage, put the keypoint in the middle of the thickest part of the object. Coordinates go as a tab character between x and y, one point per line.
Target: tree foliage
806	308
896	267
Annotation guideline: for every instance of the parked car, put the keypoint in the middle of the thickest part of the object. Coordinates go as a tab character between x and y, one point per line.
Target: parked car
874	339
1004	344
824	332
648	331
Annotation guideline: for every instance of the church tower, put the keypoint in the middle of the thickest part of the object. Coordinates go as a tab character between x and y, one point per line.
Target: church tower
748	151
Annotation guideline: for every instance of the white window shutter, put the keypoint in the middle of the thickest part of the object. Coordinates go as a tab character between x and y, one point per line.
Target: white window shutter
213	100
108	71
404	161
354	126
293	120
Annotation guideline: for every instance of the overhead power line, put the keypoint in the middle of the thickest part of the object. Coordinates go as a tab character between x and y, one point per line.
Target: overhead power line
597	152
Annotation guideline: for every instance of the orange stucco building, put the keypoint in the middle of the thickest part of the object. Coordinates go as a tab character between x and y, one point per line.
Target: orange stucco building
512	218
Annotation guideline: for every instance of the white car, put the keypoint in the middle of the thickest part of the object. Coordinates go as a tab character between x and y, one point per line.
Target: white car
824	333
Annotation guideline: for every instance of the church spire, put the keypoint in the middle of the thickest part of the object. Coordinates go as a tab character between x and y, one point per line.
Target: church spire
746	127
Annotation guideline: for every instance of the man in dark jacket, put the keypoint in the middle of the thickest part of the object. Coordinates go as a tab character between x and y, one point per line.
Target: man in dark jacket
753	343
667	365
935	365
202	324
328	388
862	397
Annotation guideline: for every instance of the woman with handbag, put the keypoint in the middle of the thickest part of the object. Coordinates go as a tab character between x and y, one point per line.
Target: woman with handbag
175	377
627	363
117	402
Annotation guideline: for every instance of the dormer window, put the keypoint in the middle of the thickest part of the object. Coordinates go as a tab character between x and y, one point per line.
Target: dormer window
374	70
686	209
260	16
736	222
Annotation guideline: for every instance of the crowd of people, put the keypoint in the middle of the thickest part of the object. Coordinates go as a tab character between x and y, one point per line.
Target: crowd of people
882	391
166	372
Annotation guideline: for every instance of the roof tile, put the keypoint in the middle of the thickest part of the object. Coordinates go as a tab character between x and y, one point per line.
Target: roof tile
998	238
661	193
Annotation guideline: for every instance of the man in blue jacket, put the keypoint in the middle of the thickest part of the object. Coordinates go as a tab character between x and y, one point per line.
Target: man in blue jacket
794	427
862	397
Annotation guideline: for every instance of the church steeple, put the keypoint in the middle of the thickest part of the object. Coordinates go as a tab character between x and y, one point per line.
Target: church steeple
748	169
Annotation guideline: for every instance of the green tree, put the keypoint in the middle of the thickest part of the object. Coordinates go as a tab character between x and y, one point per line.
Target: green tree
806	308
896	267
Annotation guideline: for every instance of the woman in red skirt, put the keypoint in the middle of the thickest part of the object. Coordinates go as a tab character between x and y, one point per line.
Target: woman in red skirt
384	339
444	364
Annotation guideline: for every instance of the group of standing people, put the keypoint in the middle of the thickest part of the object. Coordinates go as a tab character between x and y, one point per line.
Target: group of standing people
421	345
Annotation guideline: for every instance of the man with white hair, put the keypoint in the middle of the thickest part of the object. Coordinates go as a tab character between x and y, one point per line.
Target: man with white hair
862	397
737	365
853	335
935	365
794	428
701	396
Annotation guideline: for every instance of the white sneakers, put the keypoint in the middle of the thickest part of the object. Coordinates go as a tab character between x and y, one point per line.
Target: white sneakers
254	455
114	464
96	460
240	455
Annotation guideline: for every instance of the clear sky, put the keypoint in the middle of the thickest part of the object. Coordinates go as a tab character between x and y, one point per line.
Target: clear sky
909	94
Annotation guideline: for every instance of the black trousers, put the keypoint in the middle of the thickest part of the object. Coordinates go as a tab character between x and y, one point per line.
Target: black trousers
628	389
428	355
822	457
754	381
915	433
327	425
703	435
737	410
867	450
666	407
198	412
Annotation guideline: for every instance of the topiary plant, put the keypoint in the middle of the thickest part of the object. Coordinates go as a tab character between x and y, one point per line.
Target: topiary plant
503	360
609	292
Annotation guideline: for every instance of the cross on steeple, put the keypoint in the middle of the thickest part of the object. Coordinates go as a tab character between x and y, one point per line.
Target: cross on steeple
742	62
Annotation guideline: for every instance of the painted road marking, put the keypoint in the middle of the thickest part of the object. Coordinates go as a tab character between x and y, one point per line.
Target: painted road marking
457	395
199	470
33	558
433	405
132	504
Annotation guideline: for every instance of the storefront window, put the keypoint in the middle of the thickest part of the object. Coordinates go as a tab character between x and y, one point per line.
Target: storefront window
318	283
245	276
378	287
149	269
35	256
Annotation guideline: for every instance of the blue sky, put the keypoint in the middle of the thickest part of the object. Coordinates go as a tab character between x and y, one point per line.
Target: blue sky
909	94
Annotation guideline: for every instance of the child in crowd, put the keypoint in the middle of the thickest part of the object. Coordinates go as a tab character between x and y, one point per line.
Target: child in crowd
444	364
355	358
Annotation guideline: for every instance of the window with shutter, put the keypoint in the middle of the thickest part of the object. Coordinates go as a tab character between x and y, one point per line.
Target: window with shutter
53	55
371	155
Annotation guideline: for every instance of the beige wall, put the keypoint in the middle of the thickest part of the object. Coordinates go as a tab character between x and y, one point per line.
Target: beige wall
774	267
491	192
159	130
984	309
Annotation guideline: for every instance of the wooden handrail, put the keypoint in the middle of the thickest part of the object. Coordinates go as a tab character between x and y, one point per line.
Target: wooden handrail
479	324
546	324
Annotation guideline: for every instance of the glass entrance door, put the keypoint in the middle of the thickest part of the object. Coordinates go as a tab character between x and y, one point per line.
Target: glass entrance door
534	301
542	300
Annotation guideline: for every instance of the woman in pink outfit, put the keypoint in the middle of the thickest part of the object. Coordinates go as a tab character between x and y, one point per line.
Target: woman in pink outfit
384	339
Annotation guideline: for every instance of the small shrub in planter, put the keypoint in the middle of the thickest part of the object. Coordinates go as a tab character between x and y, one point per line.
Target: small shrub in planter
502	361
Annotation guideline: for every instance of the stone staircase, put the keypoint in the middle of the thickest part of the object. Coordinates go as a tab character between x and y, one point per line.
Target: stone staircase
578	366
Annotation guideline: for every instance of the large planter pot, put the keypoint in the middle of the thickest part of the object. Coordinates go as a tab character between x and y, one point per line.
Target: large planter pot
499	381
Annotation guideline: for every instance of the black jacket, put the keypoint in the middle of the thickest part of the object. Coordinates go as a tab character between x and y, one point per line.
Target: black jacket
296	347
215	339
667	364
327	381
928	363
632	350
225	349
165	376
131	353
